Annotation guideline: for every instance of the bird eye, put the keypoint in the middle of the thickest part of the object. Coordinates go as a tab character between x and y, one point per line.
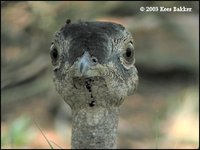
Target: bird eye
54	54
128	54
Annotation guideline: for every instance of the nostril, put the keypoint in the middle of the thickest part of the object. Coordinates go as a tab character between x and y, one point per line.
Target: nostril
94	60
92	103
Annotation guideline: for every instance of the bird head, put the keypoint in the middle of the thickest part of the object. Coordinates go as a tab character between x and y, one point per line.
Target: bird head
93	64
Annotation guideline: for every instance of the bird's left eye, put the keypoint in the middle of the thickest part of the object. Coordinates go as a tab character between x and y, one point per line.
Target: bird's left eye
129	54
54	54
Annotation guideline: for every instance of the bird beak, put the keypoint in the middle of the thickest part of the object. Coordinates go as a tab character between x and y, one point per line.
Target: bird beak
84	64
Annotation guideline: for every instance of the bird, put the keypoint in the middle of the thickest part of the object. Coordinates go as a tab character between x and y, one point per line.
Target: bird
93	65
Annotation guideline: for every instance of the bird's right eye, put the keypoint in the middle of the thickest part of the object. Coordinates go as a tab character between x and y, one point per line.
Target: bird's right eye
54	54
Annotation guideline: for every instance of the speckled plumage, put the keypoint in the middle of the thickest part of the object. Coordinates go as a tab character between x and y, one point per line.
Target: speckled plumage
94	71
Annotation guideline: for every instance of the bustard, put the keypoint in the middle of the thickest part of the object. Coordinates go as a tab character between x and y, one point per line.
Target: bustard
93	64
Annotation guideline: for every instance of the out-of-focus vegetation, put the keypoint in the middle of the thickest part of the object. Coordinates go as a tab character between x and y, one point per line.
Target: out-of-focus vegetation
163	113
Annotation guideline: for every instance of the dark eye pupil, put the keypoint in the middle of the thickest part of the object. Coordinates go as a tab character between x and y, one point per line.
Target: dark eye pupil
128	52
54	53
129	55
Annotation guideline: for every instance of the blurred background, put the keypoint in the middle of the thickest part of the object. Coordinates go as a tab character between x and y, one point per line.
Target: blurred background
163	113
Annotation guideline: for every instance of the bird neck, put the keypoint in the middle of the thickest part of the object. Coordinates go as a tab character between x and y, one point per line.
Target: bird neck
95	128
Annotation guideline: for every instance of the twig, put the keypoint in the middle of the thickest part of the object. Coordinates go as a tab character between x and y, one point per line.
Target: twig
43	134
56	144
